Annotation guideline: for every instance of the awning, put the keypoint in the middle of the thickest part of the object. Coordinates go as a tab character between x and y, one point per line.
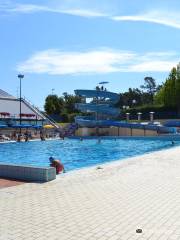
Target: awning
3	126
22	126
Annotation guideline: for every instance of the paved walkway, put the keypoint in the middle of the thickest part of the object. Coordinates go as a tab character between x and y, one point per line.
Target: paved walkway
99	204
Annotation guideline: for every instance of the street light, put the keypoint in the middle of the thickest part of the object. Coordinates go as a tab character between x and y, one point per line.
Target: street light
20	76
52	91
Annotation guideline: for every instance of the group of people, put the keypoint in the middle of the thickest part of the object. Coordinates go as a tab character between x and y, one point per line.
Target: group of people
101	88
23	137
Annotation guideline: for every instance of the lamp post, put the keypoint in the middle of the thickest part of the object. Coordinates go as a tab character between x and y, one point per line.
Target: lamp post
139	116
127	117
151	117
20	76
52	91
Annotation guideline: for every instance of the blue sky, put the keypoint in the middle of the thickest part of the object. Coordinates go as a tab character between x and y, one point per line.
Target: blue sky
69	44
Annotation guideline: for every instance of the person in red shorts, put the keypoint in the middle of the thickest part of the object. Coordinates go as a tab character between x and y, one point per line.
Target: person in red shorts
57	164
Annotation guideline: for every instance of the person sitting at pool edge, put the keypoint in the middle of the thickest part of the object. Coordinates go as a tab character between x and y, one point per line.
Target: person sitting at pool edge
57	164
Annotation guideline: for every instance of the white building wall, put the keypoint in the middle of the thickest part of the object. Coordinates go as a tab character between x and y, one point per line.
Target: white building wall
12	107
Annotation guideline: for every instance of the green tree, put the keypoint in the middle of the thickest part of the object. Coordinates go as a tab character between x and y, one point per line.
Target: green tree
70	101
159	96
168	94
178	88
53	104
63	106
150	87
127	98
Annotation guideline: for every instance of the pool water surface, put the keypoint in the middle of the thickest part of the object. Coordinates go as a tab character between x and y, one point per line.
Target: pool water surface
75	153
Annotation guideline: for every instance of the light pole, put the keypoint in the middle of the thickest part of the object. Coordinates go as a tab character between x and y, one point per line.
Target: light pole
20	76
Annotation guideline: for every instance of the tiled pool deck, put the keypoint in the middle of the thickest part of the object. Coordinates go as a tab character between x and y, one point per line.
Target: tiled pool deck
99	204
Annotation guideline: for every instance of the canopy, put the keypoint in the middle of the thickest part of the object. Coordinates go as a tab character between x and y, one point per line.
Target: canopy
36	126
4	113
27	115
103	82
25	126
3	126
22	126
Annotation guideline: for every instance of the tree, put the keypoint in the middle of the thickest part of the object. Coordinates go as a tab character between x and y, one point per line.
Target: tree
159	96
53	105
63	106
169	94
134	95
70	101
150	87
127	98
178	88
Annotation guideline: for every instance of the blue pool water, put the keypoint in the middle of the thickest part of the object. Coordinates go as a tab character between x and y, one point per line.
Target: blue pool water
76	154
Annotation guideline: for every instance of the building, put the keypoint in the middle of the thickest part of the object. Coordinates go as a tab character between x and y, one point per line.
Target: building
10	112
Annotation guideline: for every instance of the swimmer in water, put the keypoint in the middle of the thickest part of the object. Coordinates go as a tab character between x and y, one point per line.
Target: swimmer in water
56	163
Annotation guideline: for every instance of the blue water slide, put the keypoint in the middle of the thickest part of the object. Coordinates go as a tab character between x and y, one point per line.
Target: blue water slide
172	123
114	97
103	103
105	109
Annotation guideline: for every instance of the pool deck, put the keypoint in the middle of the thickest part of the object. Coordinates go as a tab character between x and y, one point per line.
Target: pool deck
107	203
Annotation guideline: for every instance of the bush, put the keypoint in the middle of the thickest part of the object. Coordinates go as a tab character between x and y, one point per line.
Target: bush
160	112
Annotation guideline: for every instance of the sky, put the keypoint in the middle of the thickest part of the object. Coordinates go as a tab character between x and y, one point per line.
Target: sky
62	45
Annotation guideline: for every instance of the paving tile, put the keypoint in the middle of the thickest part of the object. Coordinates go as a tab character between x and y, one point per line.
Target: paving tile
111	204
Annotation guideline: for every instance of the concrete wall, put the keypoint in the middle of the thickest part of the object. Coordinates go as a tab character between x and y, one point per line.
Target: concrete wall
27	173
114	131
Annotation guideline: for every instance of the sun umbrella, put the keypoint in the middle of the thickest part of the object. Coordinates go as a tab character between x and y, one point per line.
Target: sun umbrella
48	126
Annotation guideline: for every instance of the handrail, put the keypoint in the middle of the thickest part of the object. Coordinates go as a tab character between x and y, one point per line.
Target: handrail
43	115
52	121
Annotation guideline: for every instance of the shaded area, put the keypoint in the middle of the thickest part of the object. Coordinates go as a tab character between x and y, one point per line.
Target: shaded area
4	183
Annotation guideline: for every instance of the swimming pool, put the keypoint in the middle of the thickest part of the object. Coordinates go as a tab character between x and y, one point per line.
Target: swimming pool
75	153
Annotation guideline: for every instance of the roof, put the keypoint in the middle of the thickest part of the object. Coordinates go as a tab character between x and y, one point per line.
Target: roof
4	94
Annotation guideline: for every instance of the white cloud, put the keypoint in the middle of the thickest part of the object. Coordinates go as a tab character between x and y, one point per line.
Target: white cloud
33	8
103	61
26	8
83	13
170	19
154	66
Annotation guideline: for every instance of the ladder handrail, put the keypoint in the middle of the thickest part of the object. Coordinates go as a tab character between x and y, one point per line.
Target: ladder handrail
42	114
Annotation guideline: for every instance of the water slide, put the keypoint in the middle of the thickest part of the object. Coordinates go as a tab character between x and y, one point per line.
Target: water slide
113	97
104	109
103	104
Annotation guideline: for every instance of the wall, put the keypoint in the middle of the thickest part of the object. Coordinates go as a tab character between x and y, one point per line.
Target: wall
27	173
12	106
114	131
